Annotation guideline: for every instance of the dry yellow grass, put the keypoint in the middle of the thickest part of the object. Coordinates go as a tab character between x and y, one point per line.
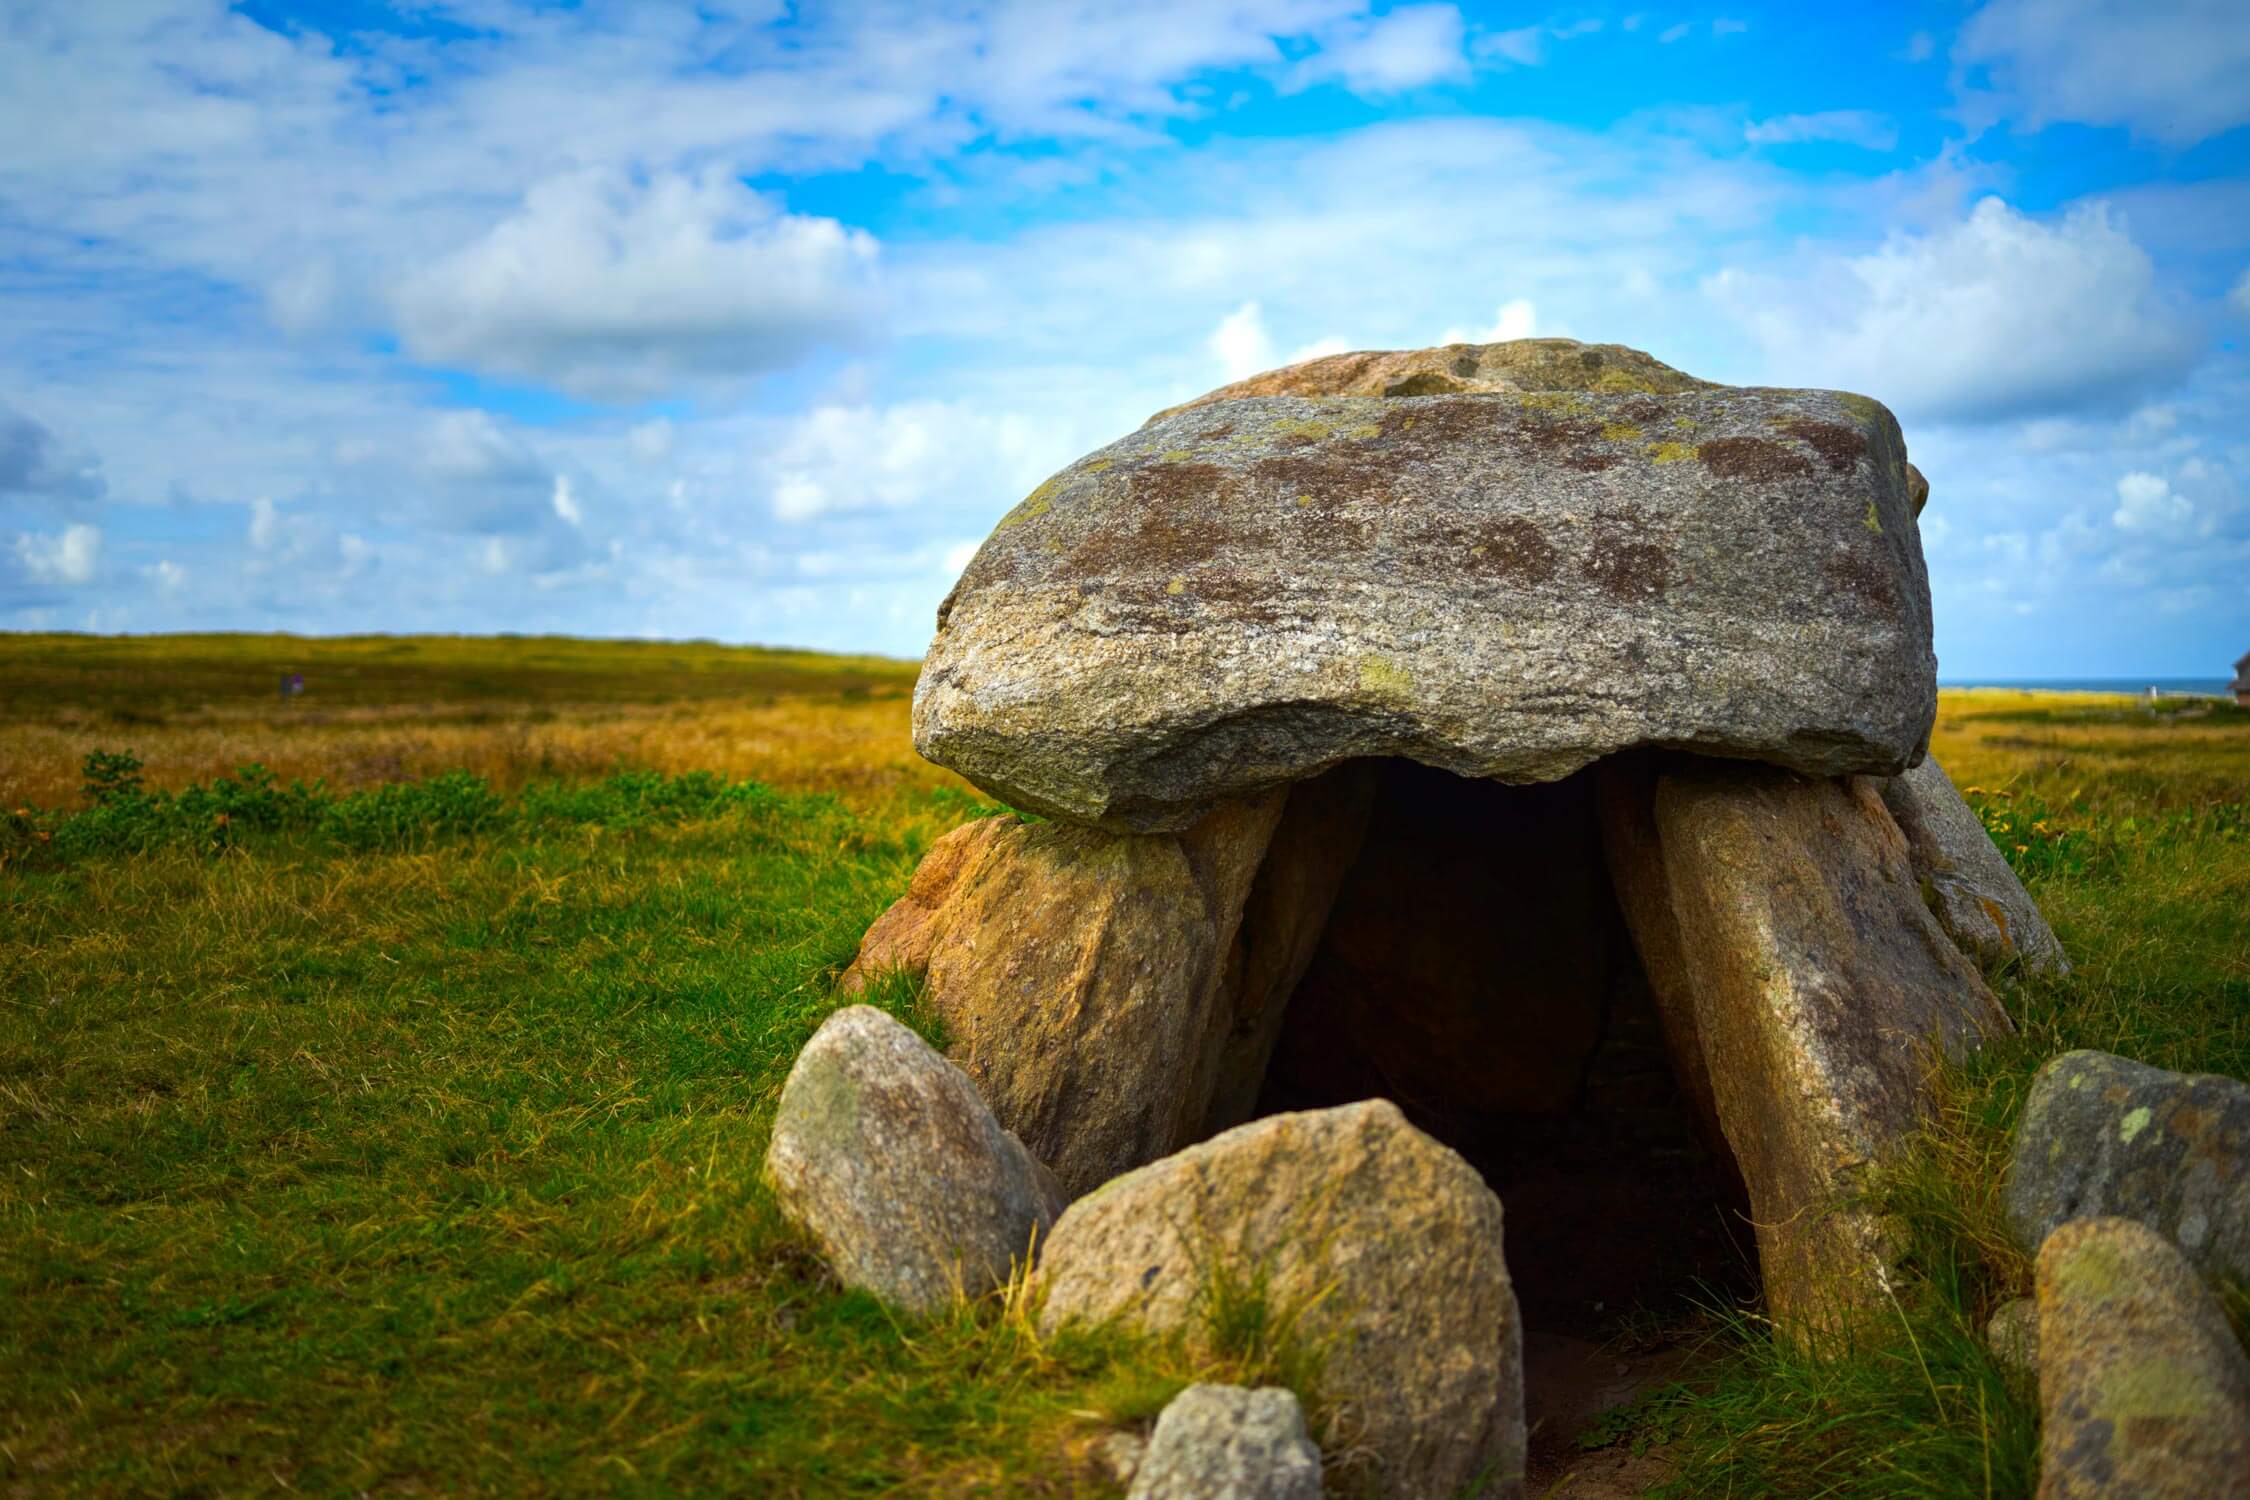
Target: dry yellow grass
859	748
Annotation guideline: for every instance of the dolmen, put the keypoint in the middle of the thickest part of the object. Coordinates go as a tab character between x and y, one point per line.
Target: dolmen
1370	722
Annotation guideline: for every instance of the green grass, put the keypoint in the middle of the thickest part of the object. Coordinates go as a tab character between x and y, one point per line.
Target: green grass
405	1134
409	1138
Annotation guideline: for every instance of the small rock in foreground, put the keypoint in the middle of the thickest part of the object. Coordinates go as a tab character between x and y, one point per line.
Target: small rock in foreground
1221	1442
2143	1390
2104	1135
1382	1244
884	1154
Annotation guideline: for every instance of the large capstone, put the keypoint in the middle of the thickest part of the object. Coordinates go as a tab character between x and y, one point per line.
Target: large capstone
1500	584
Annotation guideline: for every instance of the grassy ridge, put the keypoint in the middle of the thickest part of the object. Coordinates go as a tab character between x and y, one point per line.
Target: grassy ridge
415	1145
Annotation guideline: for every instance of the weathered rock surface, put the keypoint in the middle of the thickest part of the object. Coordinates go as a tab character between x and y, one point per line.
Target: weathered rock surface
1078	972
1965	879
1519	365
1221	1442
2106	1136
1625	805
1822	988
883	1153
1506	585
2143	1391
1384	1244
1321	831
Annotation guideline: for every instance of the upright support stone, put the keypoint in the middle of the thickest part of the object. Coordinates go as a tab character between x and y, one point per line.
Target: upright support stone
1965	881
1077	971
1313	848
1824	993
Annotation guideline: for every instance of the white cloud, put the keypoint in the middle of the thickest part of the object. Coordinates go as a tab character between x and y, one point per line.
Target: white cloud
839	460
1850	127
612	286
2176	70
265	524
1243	347
1525	46
958	556
1673	33
1241	344
1516	319
2239	298
166	575
68	556
2001	315
1728	26
651	441
566	503
2145	502
1406	48
467	444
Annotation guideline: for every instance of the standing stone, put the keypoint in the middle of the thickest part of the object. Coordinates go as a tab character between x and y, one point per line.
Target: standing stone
1077	972
883	1153
1383	1246
1625	800
2103	1135
1319	837
1502	584
1221	1442
1824	991
1965	879
2143	1391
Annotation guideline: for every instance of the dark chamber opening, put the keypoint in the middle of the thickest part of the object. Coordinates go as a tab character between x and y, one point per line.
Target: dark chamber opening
1475	970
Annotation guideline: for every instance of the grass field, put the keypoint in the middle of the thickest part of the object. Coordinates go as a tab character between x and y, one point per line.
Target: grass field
402	1133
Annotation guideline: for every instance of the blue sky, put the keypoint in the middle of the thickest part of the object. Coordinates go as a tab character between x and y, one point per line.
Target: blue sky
746	321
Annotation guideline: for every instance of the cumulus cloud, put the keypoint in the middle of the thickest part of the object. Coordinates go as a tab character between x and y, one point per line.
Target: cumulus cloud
2239	298
1516	319
837	460
68	556
1850	127
622	287
1243	346
1406	48
2175	70
34	463
2000	315
2145	502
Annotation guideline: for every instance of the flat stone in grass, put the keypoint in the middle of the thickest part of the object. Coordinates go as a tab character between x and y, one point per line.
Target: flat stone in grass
883	1153
2143	1391
2104	1135
1221	1442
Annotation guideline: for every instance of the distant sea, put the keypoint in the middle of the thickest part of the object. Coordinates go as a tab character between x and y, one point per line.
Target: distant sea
2215	686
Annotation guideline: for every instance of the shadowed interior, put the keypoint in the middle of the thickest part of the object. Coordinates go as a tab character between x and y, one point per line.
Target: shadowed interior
1476	971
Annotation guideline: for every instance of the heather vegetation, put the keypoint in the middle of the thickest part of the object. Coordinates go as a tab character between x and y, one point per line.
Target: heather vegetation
384	1075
